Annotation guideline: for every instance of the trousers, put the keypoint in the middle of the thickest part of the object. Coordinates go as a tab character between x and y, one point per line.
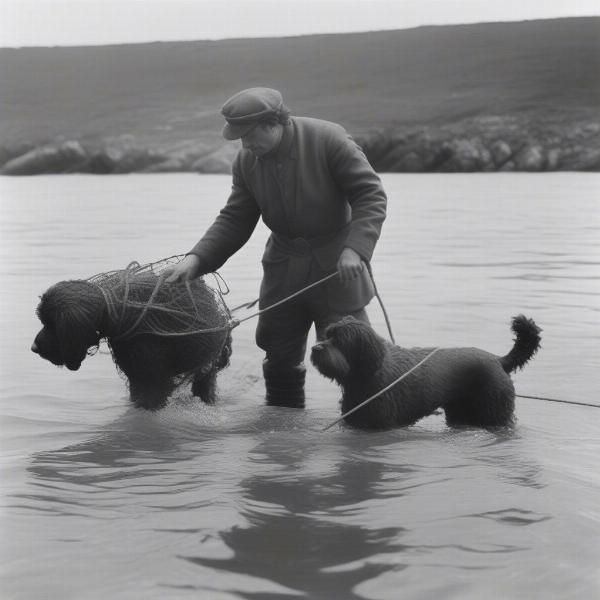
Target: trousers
282	333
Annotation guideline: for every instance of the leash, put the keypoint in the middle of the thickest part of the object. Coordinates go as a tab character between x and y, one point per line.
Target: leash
418	365
385	389
264	310
556	400
248	305
383	310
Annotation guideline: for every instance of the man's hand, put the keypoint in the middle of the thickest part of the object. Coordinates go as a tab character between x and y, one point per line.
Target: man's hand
186	269
349	265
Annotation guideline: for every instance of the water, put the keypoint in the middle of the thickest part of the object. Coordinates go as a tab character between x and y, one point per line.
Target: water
100	500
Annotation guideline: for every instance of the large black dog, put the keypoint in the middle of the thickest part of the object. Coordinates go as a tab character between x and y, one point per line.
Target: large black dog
471	385
149	327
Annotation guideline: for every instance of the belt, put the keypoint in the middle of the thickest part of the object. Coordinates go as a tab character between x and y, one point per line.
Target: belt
305	246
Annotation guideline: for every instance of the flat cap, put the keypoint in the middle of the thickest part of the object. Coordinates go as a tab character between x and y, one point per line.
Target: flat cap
246	108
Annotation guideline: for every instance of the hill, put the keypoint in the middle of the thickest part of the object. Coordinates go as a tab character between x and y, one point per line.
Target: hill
417	99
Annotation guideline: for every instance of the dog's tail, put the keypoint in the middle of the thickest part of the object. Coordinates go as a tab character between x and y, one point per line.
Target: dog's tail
527	343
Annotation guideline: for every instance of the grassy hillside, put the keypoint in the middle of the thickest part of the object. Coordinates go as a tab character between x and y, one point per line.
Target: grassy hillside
167	95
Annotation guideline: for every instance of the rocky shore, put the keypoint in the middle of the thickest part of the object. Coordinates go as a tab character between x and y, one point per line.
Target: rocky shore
492	143
113	156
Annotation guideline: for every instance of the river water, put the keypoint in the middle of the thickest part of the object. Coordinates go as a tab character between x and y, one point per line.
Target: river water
100	500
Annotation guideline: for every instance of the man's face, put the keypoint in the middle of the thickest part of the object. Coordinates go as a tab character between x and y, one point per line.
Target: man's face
262	139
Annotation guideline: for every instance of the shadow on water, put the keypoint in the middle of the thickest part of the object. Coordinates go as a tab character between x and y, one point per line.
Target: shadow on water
289	539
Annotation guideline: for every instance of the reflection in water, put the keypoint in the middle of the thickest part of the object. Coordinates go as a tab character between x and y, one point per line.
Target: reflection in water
320	515
285	543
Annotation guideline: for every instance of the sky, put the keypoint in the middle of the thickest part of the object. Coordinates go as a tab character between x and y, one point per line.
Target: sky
92	22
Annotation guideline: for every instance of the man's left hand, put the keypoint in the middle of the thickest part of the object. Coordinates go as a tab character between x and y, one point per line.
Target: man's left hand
349	265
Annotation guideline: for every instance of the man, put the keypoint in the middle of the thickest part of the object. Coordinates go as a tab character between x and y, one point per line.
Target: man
317	193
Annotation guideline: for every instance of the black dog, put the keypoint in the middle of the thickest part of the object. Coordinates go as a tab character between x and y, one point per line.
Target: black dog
471	385
149	328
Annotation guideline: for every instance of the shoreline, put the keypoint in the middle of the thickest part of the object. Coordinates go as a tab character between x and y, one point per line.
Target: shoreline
481	144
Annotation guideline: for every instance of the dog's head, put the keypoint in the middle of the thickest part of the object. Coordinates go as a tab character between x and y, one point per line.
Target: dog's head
70	312
350	348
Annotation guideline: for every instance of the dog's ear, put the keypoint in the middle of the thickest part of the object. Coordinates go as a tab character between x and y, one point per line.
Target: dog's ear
75	336
363	348
74	310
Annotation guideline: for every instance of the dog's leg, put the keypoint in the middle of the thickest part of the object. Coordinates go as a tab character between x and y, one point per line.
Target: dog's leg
484	398
205	387
150	394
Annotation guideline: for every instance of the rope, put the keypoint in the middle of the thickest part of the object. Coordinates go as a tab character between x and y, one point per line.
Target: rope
385	314
231	324
304	289
418	365
142	314
556	400
222	289
227	327
248	305
129	316
385	389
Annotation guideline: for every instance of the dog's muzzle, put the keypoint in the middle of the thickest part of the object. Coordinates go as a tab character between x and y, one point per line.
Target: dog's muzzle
34	348
329	361
317	352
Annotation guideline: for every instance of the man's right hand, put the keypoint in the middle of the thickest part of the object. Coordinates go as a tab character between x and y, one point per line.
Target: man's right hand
186	269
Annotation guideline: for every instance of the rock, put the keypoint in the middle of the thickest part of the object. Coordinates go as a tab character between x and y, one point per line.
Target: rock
435	156
171	165
410	163
136	160
553	159
103	162
501	152
63	158
581	159
486	160
377	146
591	128
219	161
509	165
464	156
10	151
531	158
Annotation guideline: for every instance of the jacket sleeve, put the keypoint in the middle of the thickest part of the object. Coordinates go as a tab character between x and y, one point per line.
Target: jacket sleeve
232	227
363	190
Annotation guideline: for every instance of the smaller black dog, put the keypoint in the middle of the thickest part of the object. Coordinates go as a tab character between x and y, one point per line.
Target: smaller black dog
471	385
147	331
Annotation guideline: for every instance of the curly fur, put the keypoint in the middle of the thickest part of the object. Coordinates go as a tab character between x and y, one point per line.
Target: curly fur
75	318
471	385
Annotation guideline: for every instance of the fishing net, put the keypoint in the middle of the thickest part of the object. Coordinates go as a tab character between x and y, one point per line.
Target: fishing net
139	301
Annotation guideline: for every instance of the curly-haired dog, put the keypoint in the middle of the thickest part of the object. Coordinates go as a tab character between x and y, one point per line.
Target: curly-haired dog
77	314
471	385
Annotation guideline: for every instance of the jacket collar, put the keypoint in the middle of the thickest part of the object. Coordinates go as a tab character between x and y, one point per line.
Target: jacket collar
286	145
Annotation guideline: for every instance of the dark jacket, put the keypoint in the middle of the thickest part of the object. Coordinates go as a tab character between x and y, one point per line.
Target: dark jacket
317	193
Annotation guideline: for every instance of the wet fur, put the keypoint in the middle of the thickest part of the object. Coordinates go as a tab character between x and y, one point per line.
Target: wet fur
472	386
74	318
